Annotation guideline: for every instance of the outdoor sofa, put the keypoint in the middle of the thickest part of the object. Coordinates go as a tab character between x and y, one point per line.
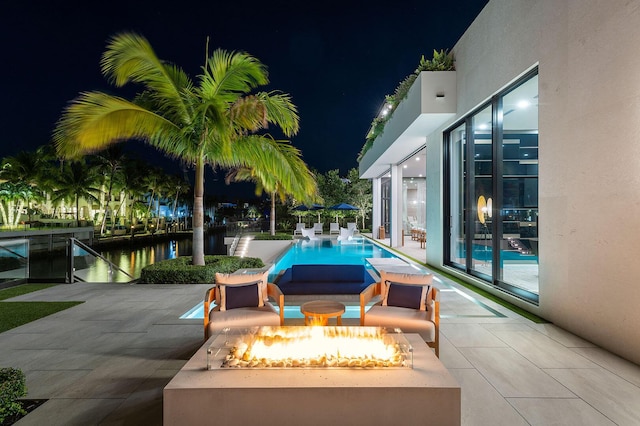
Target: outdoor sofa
324	279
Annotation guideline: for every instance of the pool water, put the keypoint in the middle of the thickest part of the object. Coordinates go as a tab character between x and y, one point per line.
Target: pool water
322	251
329	252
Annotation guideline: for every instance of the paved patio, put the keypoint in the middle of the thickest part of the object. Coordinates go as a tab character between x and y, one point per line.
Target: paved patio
106	361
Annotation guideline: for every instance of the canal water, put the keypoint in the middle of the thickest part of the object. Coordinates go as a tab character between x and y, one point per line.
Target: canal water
128	258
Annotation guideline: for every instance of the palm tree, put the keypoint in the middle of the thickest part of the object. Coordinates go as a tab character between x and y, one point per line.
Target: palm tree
292	177
155	182
199	124
133	186
77	180
111	161
29	168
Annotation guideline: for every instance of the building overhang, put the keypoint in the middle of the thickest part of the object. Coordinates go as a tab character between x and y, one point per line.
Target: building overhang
430	103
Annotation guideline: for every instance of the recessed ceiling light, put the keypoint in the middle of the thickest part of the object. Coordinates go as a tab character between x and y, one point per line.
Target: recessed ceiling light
405	166
417	158
420	175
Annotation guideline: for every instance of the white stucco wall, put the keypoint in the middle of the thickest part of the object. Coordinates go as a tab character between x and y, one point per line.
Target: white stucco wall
588	53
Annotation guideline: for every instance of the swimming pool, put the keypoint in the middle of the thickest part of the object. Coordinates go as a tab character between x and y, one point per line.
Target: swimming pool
329	252
321	251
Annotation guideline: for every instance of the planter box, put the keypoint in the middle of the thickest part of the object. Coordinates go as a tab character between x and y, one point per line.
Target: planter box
431	102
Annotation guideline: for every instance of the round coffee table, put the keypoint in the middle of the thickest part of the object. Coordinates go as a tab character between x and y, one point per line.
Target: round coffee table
318	312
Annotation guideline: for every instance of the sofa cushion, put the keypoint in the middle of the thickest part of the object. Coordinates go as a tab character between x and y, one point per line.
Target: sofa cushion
240	296
423	280
327	273
408	320
406	296
242	279
266	315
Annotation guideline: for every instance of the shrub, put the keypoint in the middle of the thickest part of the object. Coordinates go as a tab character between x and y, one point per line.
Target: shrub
278	236
181	271
12	387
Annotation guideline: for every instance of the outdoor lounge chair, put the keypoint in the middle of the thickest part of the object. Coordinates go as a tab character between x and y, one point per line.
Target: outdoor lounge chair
351	226
345	234
317	228
408	302
309	233
242	300
299	228
334	228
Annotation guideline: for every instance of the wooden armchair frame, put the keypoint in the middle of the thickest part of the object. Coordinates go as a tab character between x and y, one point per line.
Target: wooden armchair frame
273	291
375	289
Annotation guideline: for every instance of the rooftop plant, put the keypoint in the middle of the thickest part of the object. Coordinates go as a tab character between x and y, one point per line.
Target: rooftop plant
441	61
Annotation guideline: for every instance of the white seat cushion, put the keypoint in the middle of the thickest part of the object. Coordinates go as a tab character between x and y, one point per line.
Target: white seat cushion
243	317
408	320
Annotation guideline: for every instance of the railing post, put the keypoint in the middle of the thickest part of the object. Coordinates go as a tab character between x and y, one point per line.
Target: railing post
69	274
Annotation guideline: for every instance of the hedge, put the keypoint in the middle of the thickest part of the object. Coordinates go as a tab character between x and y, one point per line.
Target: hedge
12	387
181	271
278	236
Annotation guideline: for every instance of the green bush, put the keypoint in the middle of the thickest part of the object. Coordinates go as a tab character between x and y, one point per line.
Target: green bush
278	236
12	387
181	271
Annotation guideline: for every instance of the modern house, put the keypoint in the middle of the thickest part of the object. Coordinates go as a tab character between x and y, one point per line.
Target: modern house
523	164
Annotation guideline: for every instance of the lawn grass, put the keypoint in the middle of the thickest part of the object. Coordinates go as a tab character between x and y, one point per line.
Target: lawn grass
10	292
14	314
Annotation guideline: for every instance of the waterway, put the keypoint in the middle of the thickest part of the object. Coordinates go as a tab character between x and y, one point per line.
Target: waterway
130	258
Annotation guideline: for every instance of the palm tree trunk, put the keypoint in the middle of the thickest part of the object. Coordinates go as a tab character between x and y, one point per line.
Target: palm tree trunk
106	208
198	214
3	212
272	219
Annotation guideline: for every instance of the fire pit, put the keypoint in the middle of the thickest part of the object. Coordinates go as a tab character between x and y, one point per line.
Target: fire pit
425	393
310	347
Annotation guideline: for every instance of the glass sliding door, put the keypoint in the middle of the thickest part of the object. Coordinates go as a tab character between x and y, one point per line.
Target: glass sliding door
457	155
479	205
519	212
491	191
385	203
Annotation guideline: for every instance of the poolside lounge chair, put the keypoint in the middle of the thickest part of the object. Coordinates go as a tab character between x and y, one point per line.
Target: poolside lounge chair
345	234
242	300
334	228
351	226
299	228
309	233
406	301
317	228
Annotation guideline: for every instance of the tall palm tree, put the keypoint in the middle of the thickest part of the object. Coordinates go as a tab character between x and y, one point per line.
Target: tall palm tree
29	168
78	180
111	161
198	124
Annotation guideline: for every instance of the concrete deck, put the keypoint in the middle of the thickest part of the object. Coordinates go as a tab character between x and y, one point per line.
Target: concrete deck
106	361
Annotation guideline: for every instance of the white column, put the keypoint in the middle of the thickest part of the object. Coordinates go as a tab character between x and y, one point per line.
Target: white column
396	206
376	214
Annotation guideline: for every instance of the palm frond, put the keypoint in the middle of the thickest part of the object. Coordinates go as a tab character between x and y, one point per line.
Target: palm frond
281	111
129	57
94	120
231	74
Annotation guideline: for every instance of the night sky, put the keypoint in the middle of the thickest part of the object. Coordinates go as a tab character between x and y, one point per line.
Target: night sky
337	59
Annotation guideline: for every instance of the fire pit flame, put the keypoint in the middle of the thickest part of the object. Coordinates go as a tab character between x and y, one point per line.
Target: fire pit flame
287	347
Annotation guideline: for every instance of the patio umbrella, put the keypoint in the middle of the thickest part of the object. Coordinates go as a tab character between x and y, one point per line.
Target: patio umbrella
343	206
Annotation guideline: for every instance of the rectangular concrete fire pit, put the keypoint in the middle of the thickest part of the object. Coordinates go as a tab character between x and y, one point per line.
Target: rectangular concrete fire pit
424	394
